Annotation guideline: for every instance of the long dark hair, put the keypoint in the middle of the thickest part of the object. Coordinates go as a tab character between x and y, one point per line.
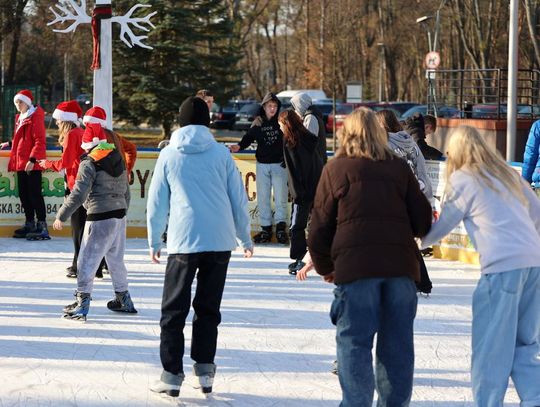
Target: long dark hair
389	121
293	128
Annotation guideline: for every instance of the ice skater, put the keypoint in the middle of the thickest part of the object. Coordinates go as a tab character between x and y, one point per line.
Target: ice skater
502	216
102	187
197	182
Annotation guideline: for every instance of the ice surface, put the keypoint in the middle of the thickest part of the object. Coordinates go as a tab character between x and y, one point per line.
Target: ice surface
276	342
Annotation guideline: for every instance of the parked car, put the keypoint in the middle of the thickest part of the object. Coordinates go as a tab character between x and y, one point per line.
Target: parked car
528	112
223	117
442	111
286	95
495	110
342	110
246	115
325	109
398	107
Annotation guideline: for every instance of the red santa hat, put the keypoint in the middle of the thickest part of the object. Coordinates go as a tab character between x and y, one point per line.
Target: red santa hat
69	111
24	96
95	114
92	136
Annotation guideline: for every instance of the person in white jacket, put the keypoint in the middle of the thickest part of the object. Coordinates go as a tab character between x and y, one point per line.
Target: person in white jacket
502	217
197	187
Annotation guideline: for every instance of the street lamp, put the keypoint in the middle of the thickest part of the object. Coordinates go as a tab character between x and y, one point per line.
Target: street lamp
423	21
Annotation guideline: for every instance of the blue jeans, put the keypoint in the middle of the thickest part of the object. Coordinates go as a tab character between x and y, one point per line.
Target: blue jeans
361	309
506	337
271	176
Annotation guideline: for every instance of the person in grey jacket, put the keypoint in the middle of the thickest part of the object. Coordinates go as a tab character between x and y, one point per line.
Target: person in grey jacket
312	119
102	187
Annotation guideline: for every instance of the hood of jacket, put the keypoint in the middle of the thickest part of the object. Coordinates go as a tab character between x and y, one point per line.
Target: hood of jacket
301	102
192	139
267	98
401	140
107	158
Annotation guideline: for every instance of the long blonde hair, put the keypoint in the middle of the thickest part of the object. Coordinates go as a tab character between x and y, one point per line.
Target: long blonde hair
362	136
467	150
64	127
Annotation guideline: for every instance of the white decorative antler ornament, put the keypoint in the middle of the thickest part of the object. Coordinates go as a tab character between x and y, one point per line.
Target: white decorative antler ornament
101	20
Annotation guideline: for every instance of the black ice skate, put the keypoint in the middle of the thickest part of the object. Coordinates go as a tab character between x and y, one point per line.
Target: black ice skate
71	272
79	309
205	372
295	267
281	233
264	236
122	303
29	226
41	232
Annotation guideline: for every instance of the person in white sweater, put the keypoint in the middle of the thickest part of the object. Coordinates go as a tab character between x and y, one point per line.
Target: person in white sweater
502	217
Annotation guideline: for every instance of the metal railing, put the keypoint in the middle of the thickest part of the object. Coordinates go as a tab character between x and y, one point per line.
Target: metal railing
481	93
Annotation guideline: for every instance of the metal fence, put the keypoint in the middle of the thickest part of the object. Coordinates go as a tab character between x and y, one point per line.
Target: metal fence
481	93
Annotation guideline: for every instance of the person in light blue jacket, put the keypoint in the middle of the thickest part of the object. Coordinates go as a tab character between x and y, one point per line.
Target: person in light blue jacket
197	188
531	163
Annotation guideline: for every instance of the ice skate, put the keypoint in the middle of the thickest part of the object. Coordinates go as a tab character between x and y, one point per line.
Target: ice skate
28	227
295	267
168	383
71	272
40	233
122	303
264	236
205	372
79	309
281	233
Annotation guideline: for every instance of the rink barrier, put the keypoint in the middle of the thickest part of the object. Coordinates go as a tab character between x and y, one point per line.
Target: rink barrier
456	246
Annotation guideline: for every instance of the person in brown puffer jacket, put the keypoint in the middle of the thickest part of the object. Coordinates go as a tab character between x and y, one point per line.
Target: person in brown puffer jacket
367	210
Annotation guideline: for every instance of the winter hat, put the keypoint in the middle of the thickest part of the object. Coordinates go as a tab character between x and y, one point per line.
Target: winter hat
24	96
95	114
69	111
194	110
92	136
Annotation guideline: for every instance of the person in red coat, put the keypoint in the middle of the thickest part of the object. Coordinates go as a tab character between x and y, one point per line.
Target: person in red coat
28	146
68	117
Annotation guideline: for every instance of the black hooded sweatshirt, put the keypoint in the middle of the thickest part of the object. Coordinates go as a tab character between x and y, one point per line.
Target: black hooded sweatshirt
267	134
304	167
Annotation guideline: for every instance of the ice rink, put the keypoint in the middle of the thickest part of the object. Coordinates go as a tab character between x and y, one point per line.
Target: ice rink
276	341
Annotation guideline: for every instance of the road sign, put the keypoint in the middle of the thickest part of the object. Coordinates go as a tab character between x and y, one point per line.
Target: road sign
433	60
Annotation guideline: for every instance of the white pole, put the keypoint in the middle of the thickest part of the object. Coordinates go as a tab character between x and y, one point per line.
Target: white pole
103	76
512	82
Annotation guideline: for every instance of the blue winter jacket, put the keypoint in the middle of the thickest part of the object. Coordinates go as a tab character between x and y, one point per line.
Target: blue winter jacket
197	188
531	163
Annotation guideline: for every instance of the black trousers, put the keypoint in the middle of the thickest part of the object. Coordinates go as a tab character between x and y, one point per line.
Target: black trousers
30	195
78	220
179	275
299	220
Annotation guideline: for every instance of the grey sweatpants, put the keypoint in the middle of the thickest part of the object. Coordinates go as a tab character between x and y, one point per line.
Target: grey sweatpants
102	238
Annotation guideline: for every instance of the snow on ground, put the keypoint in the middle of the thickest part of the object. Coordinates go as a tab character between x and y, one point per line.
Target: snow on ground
276	342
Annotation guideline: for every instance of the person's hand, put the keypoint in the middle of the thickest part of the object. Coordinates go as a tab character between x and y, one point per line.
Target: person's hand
155	255
3	145
58	224
248	252
234	148
329	278
29	166
44	164
302	274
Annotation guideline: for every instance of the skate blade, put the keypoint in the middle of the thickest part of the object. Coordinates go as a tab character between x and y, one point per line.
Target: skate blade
38	238
80	318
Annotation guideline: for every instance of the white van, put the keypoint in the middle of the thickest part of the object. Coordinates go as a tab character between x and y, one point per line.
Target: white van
286	95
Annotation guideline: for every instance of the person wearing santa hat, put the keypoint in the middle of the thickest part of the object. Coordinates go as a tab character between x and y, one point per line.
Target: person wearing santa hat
102	187
68	117
27	147
127	149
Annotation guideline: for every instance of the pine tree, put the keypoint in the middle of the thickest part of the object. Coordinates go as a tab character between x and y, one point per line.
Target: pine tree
193	48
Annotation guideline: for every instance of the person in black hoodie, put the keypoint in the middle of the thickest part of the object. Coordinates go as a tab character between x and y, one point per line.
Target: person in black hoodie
271	172
304	167
414	125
